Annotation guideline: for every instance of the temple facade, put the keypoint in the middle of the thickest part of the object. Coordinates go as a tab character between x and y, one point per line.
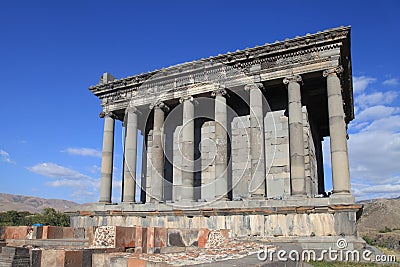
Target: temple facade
233	141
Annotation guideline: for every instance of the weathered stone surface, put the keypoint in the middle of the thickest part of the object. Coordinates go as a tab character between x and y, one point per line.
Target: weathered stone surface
17	232
52	258
104	237
203	237
36	258
126	237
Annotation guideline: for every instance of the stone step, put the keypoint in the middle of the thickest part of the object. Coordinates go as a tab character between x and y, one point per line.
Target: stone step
48	243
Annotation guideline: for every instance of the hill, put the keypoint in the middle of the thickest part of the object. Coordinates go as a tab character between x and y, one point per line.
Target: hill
380	222
380	213
32	204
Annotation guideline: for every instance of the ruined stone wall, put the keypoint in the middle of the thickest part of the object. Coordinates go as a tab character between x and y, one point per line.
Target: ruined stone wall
208	152
149	165
241	157
177	162
277	156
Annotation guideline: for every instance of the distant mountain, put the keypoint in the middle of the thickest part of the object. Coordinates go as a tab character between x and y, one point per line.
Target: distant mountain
380	213
379	223
32	204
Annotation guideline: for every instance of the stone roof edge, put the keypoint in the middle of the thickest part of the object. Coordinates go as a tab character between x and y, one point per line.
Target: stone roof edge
290	43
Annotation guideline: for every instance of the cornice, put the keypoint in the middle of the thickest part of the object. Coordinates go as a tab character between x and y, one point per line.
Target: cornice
287	51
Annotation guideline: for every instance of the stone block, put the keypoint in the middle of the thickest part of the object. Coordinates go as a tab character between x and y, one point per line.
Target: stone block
89	233
104	237
118	262
202	237
275	188
18	232
127	237
73	258
79	232
174	238
160	238
52	258
67	232
101	259
133	262
36	258
2	232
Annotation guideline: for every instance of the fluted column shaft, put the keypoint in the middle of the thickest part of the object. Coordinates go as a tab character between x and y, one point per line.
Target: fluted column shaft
187	149
157	160
337	132
257	186
107	158
221	140
129	189
296	138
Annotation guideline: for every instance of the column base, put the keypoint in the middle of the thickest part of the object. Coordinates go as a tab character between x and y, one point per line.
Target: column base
298	197
257	196
341	198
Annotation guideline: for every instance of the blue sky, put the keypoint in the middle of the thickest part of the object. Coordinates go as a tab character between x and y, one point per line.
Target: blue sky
52	51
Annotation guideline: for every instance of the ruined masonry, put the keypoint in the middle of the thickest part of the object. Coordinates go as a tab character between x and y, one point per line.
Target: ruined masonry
233	142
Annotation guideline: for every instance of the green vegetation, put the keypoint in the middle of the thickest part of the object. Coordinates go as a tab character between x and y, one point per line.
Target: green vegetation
369	240
386	230
49	216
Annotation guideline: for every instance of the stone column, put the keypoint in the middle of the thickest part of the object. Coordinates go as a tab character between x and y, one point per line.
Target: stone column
129	183
187	148
157	160
107	157
221	140
296	138
257	185
337	132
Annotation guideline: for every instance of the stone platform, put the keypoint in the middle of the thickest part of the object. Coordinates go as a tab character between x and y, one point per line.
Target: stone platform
292	217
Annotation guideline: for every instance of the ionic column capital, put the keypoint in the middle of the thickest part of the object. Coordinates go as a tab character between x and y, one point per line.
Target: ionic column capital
186	98
292	79
107	113
218	92
333	71
253	86
159	104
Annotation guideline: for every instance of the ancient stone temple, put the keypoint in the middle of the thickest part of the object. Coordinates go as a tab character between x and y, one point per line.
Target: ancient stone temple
233	141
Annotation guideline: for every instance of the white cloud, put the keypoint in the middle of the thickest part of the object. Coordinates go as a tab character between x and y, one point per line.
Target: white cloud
391	82
377	98
361	83
82	190
363	191
4	156
95	169
83	151
375	113
374	156
82	187
388	124
53	170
